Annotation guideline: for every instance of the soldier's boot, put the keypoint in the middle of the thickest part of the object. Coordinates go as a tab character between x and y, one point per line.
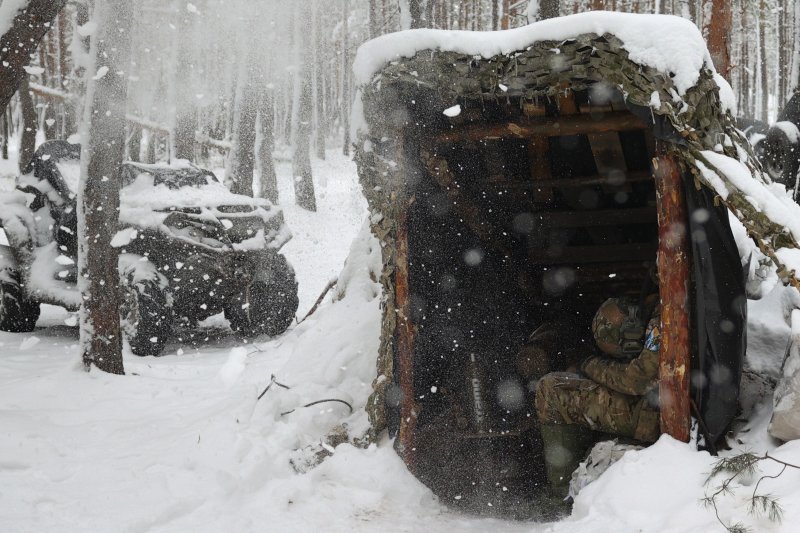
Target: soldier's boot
564	448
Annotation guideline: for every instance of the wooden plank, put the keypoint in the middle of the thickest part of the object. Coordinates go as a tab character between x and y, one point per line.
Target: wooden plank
593	254
607	152
547	127
674	278
539	163
568	183
598	217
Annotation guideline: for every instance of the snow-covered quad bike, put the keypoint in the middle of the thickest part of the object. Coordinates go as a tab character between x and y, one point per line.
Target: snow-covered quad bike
189	249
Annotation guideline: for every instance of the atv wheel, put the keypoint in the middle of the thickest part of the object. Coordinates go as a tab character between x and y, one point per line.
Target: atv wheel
781	158
268	305
146	314
17	314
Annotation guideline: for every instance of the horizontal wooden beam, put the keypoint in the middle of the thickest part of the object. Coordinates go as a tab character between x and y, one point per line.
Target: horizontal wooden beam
597	217
546	127
571	183
594	254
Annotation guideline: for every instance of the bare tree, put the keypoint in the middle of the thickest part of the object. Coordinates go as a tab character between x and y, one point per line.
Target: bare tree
98	196
185	112
20	40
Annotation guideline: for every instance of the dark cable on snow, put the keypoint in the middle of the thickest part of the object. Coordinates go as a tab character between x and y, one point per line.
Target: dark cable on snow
271	382
321	401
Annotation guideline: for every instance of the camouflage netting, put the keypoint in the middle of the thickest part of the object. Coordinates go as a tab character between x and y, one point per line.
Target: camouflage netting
432	81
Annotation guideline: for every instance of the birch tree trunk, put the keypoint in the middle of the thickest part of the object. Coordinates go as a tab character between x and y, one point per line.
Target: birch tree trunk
98	195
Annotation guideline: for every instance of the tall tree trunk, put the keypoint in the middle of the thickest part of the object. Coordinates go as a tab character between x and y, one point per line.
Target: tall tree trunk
183	139
762	50
744	86
495	15
301	153
373	18
244	130
4	130
345	103
505	21
548	9
429	14
267	178
319	84
718	35
20	41
415	10
795	76
73	109
98	195
27	144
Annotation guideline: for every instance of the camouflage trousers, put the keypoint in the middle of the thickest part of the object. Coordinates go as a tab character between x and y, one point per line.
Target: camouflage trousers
563	398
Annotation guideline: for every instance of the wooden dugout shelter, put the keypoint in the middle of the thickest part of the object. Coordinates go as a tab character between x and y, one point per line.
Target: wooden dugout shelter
565	173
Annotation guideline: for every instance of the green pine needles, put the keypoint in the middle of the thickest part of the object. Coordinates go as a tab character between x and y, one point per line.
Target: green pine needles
745	466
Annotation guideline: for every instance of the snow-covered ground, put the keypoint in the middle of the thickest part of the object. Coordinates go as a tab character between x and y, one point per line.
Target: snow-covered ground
181	442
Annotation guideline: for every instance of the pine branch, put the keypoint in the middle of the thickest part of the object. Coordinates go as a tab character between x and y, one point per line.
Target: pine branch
760	504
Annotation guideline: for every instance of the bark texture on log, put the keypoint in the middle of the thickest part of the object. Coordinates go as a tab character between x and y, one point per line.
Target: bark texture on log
674	278
21	40
98	202
405	334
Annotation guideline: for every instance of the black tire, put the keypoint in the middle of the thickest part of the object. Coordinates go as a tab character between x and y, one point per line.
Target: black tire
17	314
268	305
781	158
146	315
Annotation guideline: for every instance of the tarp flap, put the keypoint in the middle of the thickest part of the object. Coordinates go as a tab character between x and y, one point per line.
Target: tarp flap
719	311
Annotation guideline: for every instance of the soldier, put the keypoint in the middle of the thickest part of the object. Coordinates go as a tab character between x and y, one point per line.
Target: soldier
620	395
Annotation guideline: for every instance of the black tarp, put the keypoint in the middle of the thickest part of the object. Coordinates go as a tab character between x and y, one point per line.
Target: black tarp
719	312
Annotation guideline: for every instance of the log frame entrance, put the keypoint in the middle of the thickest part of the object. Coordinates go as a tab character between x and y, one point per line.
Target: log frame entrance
673	258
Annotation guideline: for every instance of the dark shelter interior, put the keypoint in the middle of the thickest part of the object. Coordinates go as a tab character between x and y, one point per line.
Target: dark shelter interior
515	238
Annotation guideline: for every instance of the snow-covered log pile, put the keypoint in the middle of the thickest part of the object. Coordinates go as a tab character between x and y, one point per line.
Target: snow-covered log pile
659	63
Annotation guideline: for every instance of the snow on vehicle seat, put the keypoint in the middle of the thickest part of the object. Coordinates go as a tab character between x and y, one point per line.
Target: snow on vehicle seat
70	171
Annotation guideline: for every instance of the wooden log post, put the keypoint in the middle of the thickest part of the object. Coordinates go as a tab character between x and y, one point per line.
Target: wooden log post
404	337
674	278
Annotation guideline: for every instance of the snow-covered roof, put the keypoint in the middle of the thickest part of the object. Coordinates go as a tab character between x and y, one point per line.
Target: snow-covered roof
662	42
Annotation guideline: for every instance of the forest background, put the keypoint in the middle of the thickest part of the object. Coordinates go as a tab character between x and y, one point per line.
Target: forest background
238	83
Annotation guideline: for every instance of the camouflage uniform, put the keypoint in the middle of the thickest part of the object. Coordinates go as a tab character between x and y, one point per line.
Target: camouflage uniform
620	397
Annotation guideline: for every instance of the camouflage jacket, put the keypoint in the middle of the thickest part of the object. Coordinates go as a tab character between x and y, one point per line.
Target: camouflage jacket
637	376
